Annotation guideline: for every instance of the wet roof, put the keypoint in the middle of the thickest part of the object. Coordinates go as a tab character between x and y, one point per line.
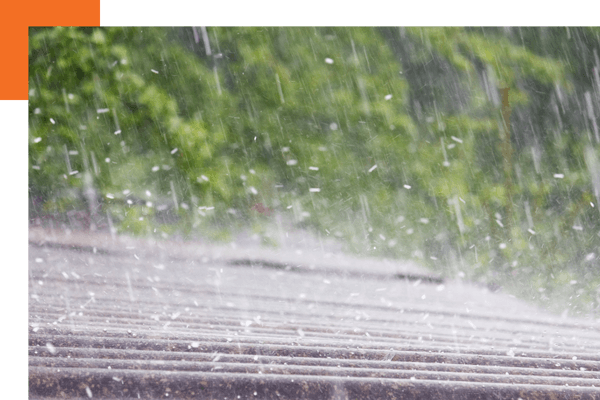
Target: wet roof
119	317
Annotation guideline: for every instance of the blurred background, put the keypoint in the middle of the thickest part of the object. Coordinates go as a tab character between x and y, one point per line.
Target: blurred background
473	151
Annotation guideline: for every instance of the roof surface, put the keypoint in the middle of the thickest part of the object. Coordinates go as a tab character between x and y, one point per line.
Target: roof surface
116	317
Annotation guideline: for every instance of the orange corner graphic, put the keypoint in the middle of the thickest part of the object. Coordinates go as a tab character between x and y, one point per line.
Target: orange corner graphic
16	19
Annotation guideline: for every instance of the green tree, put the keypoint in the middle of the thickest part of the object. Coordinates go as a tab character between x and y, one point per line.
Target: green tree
395	140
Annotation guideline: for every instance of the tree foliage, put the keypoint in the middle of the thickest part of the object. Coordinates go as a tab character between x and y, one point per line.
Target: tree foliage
395	140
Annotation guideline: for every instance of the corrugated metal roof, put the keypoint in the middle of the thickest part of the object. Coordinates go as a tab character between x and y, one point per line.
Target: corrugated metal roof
123	318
